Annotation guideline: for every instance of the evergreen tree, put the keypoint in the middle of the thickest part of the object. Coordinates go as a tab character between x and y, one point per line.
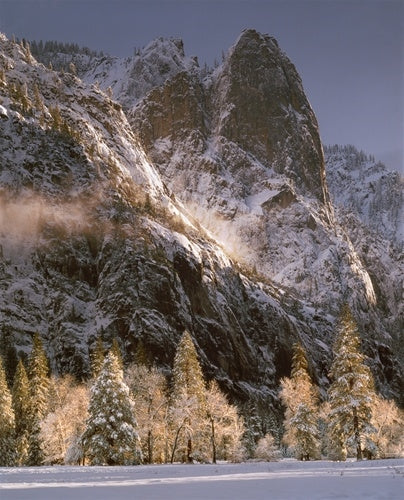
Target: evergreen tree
110	436
97	357
351	393
21	405
8	353
300	398
38	377
116	351
38	99
187	373
39	388
141	355
7	422
188	398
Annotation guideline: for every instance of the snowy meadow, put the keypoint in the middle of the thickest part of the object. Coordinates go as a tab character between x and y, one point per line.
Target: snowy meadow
287	479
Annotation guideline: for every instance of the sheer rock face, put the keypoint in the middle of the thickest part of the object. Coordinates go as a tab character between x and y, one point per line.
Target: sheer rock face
241	149
258	102
254	100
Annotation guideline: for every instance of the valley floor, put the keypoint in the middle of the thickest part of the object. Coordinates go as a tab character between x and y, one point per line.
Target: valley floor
288	479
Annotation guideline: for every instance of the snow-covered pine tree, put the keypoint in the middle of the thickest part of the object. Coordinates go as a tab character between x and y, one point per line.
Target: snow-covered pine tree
38	377
7	422
22	408
351	393
187	372
38	388
110	436
188	398
300	398
141	354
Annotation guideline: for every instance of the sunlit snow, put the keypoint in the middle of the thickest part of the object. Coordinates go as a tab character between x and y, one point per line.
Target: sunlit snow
288	479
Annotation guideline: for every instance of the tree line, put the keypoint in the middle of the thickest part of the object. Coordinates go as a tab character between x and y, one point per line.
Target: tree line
120	417
354	420
133	415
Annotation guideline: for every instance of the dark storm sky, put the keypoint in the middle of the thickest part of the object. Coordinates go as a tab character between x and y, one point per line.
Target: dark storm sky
350	53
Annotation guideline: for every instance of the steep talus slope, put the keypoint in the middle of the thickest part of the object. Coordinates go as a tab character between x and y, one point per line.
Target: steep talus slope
92	245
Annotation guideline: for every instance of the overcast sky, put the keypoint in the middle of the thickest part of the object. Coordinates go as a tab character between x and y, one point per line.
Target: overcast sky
350	53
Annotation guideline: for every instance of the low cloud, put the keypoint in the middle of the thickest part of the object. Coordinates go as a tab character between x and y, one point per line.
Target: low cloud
23	218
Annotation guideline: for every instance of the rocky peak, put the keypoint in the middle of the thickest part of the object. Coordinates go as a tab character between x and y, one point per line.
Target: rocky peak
132	78
259	103
361	185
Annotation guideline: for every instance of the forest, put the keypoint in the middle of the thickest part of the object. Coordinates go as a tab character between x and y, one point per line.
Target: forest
135	414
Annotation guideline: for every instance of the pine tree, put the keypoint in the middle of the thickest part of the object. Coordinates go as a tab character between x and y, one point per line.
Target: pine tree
8	353
116	351
110	436
7	422
141	355
300	398
39	388
38	377
188	398
351	393
38	99
22	406
187	372
97	357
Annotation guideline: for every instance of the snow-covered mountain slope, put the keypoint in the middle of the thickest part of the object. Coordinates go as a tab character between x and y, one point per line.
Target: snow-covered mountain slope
127	79
369	205
104	210
92	245
241	149
360	185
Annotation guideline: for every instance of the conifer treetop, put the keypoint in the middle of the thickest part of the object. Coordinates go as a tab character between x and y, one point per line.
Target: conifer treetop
7	421
187	373
110	436
351	393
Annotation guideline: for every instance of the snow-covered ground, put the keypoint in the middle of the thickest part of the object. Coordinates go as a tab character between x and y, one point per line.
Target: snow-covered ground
288	479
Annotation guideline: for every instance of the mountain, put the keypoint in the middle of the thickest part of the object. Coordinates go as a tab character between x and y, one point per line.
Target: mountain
367	188
197	201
